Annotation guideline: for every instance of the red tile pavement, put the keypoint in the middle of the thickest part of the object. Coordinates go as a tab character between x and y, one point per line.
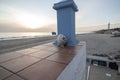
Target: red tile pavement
61	58
20	63
42	54
44	70
4	73
9	56
69	50
14	77
27	51
44	62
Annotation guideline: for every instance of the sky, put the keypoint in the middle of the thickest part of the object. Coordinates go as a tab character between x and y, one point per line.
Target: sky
28	15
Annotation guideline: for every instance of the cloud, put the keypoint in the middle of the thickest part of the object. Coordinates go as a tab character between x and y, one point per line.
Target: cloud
11	14
14	27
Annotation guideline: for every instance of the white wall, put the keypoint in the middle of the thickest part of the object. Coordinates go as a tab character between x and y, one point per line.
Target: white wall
75	70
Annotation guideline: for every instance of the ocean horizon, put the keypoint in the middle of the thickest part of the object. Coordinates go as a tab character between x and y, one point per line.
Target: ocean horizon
21	35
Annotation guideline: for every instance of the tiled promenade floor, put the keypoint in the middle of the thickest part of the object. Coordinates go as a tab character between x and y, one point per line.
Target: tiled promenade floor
44	62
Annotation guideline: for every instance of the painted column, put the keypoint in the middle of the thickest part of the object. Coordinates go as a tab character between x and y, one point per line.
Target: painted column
66	20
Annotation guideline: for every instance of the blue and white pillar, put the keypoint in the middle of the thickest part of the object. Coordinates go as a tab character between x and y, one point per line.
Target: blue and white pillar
66	20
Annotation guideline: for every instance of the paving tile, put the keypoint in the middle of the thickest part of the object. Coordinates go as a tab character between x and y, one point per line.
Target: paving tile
27	51
14	77
43	70
42	54
62	58
19	63
4	73
64	50
69	50
48	48
9	56
39	47
47	69
52	49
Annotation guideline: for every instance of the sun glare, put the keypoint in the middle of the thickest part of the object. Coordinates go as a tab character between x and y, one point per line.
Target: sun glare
30	20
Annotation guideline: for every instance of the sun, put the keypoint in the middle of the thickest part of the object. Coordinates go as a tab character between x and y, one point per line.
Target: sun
30	20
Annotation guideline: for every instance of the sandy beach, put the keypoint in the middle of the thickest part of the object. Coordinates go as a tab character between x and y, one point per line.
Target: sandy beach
96	43
17	44
101	43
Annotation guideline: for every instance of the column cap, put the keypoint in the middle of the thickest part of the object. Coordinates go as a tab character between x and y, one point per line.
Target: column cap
65	4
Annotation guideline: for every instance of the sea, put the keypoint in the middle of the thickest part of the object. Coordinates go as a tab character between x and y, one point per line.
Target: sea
21	35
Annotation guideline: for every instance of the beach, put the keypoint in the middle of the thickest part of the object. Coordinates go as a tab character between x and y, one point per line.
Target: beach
96	43
101	43
7	46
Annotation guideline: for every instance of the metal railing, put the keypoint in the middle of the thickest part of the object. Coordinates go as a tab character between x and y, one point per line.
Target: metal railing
88	72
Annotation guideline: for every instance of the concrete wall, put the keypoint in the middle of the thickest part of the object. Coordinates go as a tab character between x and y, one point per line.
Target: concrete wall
76	68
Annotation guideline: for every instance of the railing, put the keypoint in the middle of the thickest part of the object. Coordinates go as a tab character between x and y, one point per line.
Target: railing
88	73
